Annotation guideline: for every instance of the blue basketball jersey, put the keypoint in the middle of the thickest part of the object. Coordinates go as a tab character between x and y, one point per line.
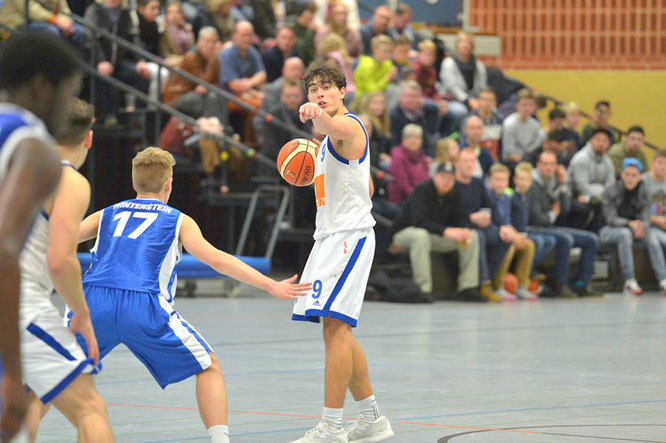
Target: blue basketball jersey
16	125
137	248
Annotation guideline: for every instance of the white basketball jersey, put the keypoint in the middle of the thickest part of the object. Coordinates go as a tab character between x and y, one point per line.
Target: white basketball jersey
342	190
36	284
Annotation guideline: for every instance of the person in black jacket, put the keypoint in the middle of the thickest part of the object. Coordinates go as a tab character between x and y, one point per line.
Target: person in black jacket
433	219
111	59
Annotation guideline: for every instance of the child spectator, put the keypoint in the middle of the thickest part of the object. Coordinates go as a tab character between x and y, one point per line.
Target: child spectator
521	133
501	195
374	73
333	49
571	120
424	69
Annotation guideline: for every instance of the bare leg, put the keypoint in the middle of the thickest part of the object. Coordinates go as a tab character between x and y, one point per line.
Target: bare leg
212	394
339	362
36	411
359	384
82	405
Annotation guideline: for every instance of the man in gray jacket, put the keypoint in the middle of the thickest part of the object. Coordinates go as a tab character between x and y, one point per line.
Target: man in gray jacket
591	171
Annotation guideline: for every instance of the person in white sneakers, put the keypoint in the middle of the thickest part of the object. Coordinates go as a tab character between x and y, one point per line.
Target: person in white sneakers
340	261
626	209
655	183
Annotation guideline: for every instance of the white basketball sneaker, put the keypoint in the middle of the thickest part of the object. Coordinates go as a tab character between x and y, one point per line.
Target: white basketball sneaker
323	433
364	431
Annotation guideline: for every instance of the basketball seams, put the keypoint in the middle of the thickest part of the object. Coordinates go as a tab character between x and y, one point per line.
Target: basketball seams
293	150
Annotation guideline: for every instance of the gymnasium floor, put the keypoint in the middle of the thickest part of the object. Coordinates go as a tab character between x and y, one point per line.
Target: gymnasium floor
591	370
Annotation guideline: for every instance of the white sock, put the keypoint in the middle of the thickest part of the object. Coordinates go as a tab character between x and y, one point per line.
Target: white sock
662	284
218	434
632	283
332	417
368	408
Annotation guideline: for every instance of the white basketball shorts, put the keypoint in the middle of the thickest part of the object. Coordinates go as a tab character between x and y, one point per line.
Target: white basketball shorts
338	268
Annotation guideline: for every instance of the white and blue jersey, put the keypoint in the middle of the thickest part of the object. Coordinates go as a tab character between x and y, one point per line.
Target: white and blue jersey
130	287
137	248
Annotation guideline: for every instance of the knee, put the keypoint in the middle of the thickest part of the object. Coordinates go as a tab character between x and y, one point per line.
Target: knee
567	241
422	238
215	366
334	330
626	236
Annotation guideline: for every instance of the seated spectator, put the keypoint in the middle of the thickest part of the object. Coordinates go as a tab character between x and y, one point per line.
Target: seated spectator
412	108
590	172
433	219
655	184
409	165
150	36
292	96
549	200
262	16
463	76
373	73
202	62
424	69
473	136
485	220
502	197
50	16
112	59
293	69
521	133
446	151
177	37
402	27
327	8
216	14
303	26
339	23
571	120
626	209
599	120
556	119
274	57
555	142
378	25
632	146
543	243
373	106
332	49
492	123
400	57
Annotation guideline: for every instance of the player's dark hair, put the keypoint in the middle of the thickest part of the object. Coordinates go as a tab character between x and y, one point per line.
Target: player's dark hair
31	53
326	73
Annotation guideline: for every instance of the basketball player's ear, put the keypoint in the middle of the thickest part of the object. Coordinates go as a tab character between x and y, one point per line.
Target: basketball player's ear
343	90
168	185
87	142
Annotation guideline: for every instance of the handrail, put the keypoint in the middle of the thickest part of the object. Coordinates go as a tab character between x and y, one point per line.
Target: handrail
268	117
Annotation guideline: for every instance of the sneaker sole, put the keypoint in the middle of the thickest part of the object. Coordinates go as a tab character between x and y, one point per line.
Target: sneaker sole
385	434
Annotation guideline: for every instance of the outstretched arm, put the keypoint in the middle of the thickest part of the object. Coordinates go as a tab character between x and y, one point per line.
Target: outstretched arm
33	174
89	226
200	248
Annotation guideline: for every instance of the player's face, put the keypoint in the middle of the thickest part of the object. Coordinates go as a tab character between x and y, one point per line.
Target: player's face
326	95
59	104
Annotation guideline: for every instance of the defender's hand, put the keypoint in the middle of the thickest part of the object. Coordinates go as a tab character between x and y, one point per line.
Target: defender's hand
289	289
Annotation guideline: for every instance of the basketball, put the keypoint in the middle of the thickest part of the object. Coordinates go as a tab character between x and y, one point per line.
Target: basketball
296	161
510	282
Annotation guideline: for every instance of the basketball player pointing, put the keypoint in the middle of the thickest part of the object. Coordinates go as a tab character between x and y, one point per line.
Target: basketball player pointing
340	261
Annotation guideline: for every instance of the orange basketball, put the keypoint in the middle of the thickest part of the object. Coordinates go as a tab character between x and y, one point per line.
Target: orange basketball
296	161
510	282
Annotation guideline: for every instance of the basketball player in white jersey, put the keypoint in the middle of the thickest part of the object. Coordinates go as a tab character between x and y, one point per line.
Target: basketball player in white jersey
340	261
40	74
50	260
29	173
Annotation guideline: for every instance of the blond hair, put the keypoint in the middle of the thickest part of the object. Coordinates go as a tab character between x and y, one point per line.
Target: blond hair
524	167
331	43
380	40
151	168
427	44
570	108
442	150
380	124
463	35
79	123
499	168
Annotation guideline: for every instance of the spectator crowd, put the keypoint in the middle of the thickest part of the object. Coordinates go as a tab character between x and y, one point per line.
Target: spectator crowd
473	171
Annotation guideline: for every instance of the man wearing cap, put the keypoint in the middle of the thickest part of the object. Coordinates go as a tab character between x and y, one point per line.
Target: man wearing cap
434	219
626	210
